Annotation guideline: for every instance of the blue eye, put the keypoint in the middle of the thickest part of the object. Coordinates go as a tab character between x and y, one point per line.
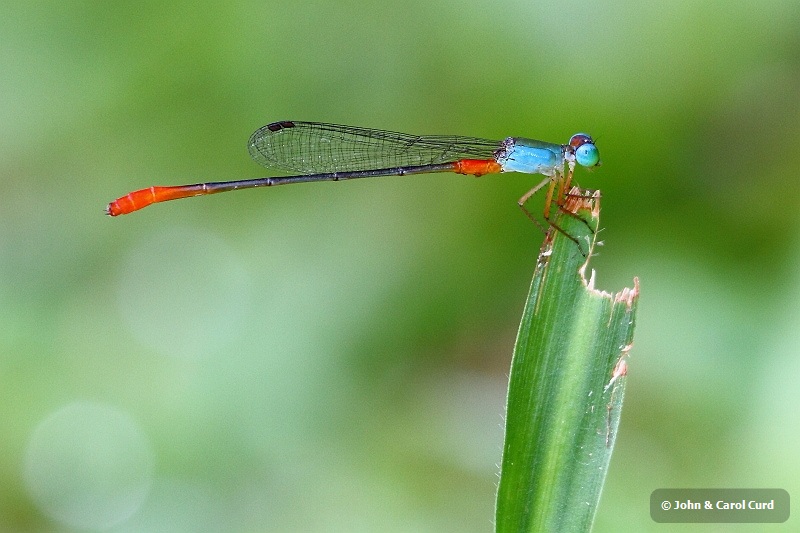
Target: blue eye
587	155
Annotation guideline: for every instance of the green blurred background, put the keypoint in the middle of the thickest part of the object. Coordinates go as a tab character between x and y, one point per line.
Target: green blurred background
333	357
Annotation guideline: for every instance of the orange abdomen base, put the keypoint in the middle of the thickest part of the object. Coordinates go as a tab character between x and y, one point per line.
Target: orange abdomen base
476	167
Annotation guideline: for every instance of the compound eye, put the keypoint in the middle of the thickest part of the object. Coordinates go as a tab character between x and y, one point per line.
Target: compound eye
586	153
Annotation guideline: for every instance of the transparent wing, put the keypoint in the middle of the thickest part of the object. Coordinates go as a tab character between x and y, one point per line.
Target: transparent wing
315	147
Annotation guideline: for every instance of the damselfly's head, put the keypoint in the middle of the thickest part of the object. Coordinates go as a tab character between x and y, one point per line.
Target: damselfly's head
585	151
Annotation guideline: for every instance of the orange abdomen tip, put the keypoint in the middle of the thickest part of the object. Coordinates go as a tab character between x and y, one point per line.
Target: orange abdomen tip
134	201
